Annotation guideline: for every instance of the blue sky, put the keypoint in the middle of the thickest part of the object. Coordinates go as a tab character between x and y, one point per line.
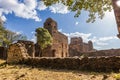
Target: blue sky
24	16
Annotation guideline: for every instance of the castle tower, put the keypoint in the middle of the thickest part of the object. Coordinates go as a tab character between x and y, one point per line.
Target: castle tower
51	26
90	44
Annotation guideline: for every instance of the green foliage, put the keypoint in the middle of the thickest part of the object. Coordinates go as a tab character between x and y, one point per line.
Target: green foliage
43	37
94	7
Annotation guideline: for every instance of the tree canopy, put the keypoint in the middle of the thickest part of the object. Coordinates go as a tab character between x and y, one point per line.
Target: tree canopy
43	37
94	7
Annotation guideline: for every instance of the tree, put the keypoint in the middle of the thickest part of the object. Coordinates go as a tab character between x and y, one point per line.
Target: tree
2	32
43	38
94	7
10	37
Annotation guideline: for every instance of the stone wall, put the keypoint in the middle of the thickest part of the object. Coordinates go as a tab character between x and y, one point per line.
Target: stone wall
16	53
77	46
102	64
101	53
29	45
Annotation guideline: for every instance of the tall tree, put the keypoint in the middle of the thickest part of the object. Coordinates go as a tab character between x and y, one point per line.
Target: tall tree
43	38
2	32
94	7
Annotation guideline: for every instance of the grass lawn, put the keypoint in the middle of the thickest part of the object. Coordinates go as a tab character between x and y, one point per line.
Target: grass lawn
22	72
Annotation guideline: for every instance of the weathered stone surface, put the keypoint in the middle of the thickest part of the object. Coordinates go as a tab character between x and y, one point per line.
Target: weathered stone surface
106	53
102	64
29	45
16	52
59	46
77	46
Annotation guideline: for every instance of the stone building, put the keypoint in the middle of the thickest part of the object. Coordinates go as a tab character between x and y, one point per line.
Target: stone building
77	46
59	46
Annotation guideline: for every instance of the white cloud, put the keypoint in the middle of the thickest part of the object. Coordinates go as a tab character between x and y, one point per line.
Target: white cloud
76	23
24	10
107	38
118	3
59	8
41	6
33	39
33	32
3	18
60	30
28	8
18	32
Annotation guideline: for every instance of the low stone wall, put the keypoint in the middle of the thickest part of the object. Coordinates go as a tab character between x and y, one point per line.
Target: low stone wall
102	64
107	53
100	53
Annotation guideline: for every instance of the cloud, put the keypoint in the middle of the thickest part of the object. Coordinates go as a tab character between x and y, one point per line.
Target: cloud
3	18
118	3
33	32
59	8
60	30
107	38
33	39
26	9
76	23
41	6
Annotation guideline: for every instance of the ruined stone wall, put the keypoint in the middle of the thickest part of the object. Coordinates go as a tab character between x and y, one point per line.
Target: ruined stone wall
16	52
100	53
77	46
102	64
29	45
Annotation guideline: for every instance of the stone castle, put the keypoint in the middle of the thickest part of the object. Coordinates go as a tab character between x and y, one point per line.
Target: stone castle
77	46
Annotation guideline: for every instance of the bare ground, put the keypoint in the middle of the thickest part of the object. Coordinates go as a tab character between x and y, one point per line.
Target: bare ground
22	72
